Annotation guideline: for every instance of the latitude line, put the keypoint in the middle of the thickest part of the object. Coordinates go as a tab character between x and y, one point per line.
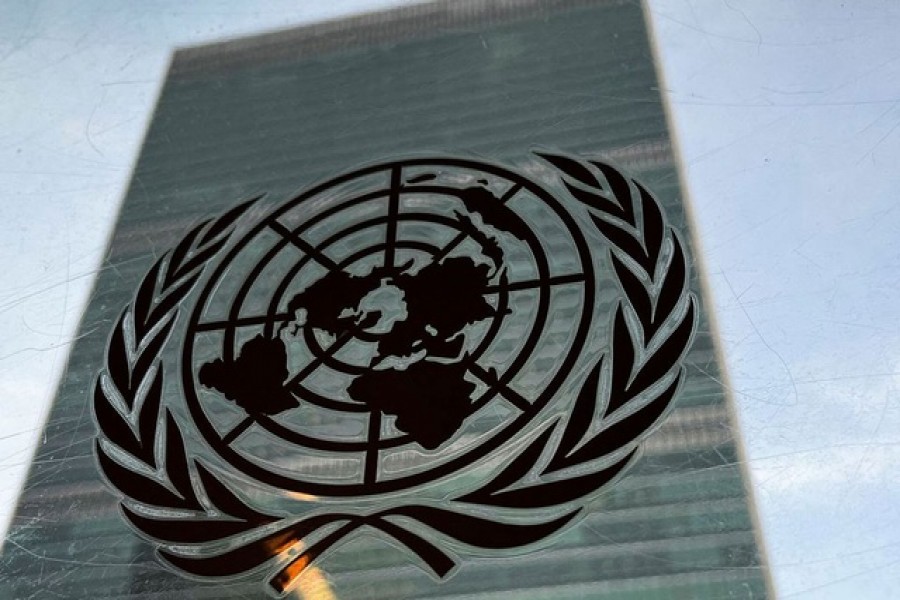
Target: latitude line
526	284
241	322
374	436
493	383
390	240
303	245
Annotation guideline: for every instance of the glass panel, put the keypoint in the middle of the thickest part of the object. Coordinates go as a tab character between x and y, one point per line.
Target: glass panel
454	338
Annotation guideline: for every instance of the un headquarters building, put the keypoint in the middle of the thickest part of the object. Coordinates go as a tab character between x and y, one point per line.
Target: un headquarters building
404	305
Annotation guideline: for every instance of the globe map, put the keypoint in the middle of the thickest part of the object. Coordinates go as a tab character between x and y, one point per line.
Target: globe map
388	327
429	395
441	299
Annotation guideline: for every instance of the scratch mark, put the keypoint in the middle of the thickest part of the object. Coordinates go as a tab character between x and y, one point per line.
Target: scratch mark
87	126
764	341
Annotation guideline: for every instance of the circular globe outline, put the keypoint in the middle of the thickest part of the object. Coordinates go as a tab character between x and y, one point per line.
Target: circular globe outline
288	434
468	457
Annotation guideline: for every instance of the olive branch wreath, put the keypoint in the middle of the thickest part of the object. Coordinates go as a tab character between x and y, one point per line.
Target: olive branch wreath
205	529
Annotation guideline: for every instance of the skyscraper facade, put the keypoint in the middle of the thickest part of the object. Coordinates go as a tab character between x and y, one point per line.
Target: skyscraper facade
279	112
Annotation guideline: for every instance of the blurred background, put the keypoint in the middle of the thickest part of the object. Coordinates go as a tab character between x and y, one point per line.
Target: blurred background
787	116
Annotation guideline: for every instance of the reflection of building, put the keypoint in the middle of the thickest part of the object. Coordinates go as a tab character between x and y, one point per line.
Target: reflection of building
278	111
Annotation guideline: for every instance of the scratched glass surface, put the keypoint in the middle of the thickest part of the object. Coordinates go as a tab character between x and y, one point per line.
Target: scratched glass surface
768	134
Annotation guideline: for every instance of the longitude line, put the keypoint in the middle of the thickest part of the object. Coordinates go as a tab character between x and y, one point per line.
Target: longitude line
535	283
240	322
462	235
238	430
374	436
510	193
303	245
507	392
316	361
393	211
449	247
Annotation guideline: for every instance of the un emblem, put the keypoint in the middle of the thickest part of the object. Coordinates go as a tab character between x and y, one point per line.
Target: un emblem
440	350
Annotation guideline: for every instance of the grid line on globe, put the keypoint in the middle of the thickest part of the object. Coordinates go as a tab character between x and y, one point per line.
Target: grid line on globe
438	279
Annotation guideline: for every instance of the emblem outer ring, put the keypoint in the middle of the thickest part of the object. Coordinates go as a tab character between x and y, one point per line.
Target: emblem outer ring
349	490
